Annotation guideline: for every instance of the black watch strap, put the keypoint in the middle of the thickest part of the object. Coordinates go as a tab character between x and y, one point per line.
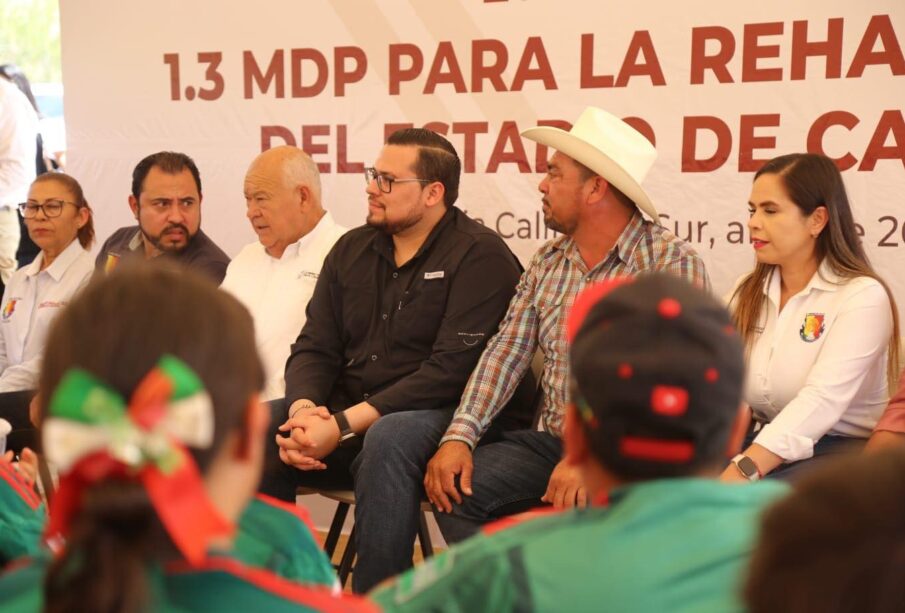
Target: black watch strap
345	430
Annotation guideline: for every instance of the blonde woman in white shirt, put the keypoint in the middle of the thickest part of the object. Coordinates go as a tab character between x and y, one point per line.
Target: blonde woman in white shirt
820	326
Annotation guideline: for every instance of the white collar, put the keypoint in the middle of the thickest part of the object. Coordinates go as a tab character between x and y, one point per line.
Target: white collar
323	227
60	265
825	279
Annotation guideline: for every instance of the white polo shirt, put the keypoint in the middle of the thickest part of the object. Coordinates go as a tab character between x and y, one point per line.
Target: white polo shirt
31	301
819	366
276	292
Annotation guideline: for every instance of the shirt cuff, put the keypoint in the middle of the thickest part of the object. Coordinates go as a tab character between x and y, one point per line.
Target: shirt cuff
789	446
463	429
457	437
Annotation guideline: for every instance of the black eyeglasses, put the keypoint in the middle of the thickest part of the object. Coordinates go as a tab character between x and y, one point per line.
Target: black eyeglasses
385	182
50	208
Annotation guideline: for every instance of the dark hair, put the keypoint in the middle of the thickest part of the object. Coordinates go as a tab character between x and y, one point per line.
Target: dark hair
86	232
813	181
117	329
437	159
585	173
12	73
170	162
837	543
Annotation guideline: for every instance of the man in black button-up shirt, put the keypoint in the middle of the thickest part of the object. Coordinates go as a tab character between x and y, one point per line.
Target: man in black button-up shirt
400	314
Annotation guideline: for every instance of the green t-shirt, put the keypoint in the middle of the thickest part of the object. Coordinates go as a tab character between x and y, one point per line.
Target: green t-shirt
21	516
278	536
275	564
221	583
666	545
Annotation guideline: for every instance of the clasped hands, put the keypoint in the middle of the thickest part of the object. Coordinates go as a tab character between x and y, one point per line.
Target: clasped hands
313	435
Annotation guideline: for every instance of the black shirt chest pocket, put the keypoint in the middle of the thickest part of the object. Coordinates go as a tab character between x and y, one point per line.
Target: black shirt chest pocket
420	314
357	309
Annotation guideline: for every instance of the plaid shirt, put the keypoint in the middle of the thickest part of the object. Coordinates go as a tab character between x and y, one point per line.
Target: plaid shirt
537	318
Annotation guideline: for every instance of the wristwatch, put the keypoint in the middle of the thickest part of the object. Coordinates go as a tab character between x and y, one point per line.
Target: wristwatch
345	430
747	467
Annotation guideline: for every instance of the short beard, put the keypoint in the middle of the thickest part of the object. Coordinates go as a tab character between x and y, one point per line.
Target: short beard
557	226
158	242
395	227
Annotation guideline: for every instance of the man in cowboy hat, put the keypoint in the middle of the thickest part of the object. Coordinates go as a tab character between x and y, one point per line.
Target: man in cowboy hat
592	194
656	381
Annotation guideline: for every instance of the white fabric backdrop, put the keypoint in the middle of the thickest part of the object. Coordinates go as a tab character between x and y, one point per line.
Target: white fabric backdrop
118	74
360	65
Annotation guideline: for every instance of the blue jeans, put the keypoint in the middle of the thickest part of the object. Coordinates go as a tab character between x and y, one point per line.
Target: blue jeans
509	477
387	474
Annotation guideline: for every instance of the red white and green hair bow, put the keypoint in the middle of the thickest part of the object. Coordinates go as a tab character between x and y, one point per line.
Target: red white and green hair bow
91	434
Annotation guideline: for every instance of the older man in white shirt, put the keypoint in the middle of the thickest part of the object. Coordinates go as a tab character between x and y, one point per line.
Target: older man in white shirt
18	143
275	276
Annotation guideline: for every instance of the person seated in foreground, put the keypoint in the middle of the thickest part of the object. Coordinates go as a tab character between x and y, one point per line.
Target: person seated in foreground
399	315
655	384
166	203
837	543
820	325
150	414
274	276
591	193
60	221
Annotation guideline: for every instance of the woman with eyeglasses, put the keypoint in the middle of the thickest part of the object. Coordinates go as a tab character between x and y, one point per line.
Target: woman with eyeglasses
59	221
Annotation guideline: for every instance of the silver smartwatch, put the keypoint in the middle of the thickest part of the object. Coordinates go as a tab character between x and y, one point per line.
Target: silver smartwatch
747	467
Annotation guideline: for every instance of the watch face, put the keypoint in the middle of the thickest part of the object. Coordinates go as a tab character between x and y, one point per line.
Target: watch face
747	466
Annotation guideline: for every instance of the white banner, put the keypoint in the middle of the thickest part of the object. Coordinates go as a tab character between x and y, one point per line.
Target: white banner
720	87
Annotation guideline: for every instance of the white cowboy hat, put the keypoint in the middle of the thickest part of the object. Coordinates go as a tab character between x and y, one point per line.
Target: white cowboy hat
608	146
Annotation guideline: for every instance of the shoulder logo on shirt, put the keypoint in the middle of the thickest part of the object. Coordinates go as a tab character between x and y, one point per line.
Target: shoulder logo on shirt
812	327
50	304
435	275
111	262
8	308
307	274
